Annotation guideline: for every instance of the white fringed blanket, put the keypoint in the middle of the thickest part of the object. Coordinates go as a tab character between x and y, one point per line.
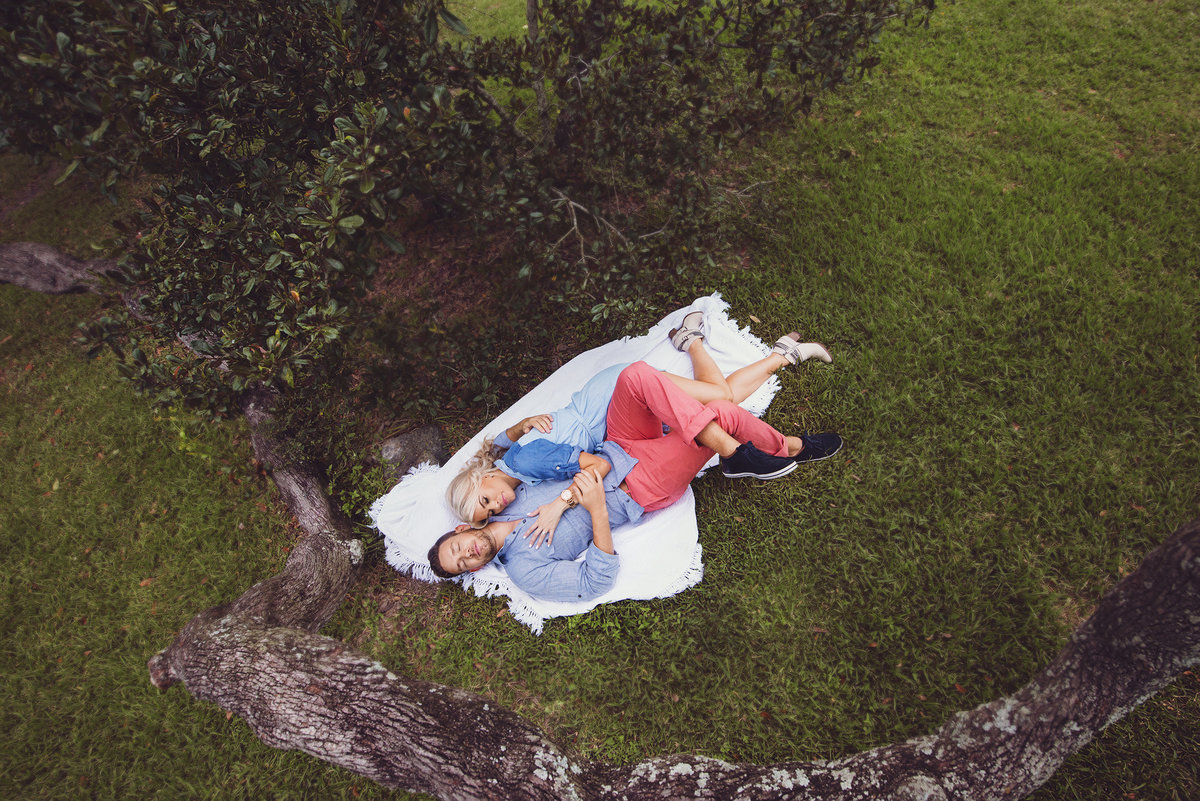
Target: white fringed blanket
660	555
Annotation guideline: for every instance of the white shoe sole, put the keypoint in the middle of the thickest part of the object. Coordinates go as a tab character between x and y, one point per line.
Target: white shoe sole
783	471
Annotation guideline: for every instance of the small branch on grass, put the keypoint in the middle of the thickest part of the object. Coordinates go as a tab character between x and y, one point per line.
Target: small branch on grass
742	194
601	224
574	229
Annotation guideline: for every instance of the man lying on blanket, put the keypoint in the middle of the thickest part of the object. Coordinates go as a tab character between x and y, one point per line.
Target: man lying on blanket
639	469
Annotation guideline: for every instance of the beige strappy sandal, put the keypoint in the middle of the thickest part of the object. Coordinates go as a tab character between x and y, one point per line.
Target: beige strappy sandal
688	331
791	348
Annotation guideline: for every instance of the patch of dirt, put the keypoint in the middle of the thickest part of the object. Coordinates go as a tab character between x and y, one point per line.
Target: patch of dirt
444	269
441	319
1072	610
399	598
397	592
13	201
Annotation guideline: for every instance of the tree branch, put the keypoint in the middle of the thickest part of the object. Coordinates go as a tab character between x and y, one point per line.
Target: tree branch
538	73
301	691
312	693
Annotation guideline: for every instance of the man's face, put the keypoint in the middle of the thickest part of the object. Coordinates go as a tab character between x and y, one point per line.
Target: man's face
468	549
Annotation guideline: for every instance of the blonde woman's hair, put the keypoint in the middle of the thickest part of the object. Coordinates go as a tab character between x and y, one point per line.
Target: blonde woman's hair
463	492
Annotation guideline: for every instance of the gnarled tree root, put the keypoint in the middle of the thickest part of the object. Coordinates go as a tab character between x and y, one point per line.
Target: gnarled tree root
299	690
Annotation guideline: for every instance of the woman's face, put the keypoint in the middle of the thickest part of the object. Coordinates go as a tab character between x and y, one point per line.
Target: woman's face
493	495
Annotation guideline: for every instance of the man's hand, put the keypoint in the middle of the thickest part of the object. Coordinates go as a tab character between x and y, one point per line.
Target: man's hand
588	489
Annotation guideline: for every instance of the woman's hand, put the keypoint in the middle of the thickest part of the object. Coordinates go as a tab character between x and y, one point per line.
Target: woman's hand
542	529
542	422
588	489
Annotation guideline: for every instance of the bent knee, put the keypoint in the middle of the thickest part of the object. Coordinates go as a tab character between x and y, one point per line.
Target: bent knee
638	368
635	373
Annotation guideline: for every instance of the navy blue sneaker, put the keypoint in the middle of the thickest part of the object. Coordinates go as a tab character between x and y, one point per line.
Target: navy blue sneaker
749	462
818	447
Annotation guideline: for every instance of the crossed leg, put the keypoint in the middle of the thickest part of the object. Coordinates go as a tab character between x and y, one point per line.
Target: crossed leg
709	384
644	400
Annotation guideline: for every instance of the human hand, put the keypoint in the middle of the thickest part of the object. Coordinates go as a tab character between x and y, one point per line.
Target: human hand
588	489
542	529
542	422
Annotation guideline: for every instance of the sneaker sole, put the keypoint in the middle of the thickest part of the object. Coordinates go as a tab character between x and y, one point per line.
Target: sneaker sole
783	471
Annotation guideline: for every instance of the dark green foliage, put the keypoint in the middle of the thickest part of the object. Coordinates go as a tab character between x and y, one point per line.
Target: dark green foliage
289	138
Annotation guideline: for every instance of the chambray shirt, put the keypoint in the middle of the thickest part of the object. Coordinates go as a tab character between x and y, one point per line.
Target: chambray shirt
580	426
554	572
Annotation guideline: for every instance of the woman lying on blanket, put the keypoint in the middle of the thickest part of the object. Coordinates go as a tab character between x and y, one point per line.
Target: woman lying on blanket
558	446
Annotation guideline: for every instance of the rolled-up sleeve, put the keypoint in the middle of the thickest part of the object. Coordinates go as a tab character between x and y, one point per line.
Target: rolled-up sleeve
543	459
562	579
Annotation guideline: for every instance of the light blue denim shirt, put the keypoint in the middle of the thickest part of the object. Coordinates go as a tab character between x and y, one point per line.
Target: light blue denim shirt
581	424
551	572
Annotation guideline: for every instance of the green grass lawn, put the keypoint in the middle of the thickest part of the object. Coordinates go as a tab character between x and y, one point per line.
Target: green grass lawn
995	236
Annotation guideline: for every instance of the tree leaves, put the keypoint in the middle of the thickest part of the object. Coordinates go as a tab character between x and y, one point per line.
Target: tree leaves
455	24
292	144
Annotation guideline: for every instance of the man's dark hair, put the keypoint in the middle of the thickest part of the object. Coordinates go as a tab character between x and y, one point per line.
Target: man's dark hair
435	562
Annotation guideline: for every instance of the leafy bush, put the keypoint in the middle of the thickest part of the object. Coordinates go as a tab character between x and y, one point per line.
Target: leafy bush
289	139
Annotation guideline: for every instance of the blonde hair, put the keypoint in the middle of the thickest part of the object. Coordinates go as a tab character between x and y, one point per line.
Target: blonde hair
463	492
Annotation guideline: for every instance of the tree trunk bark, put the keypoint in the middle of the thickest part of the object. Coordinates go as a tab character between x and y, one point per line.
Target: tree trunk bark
532	35
261	658
299	690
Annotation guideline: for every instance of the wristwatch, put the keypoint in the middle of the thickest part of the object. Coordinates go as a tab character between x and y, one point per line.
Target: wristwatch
568	498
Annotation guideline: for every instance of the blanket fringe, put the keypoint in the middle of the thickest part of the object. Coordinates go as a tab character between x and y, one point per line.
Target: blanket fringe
393	554
690	577
521	610
418	570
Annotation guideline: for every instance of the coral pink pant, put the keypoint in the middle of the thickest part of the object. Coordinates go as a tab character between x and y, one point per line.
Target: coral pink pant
643	401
